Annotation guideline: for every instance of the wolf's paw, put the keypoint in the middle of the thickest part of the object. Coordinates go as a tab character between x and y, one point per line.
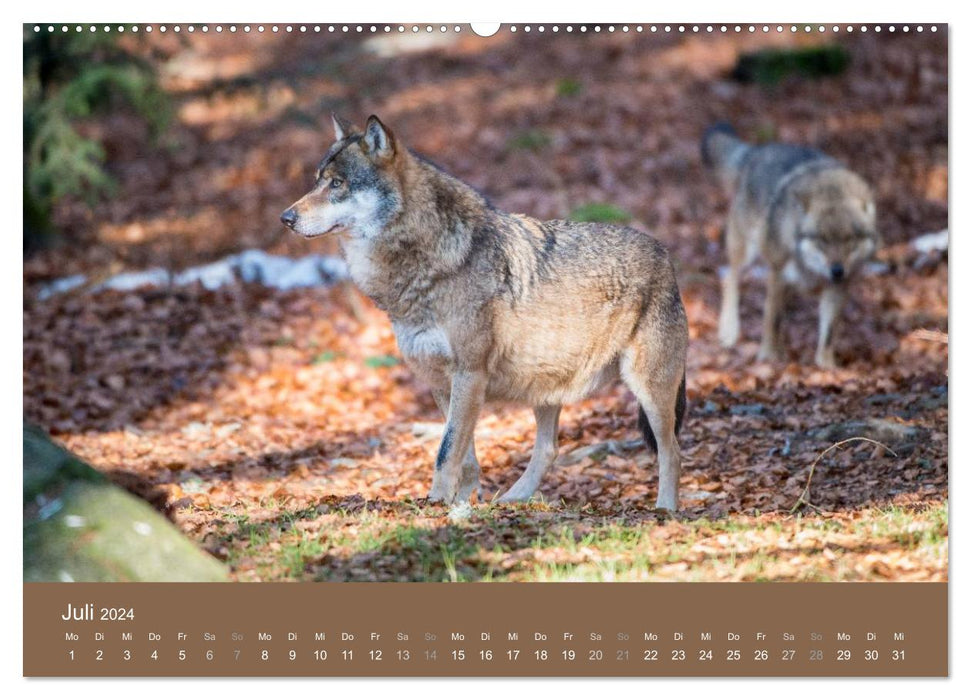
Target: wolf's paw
728	334
517	494
667	499
670	508
443	490
439	495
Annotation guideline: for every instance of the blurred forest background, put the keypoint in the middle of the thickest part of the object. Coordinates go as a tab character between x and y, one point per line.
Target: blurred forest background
279	429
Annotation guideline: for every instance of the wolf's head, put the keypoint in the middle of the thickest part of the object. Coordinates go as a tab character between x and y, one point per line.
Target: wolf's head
356	188
837	231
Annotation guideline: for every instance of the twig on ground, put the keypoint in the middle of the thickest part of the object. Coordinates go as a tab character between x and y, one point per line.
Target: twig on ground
804	496
927	334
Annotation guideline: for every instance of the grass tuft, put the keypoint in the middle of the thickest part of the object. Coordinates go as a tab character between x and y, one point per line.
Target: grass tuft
568	87
530	140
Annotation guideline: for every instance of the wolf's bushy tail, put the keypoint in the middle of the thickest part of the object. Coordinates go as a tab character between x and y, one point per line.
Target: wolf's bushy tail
645	425
722	152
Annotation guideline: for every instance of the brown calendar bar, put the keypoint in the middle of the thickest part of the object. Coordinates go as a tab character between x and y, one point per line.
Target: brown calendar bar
529	629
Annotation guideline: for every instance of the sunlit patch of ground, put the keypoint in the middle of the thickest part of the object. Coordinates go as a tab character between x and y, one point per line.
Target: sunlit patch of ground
355	540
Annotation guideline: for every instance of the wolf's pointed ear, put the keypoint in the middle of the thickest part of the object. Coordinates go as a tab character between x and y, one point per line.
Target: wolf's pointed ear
342	127
378	140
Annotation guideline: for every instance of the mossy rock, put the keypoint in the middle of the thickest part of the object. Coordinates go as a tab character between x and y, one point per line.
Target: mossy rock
80	527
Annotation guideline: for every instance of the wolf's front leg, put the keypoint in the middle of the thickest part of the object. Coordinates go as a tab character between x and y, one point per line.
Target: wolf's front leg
471	472
830	308
735	247
469	482
466	398
728	322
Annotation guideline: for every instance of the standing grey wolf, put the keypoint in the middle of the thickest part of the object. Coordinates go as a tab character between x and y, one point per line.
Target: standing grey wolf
811	219
490	306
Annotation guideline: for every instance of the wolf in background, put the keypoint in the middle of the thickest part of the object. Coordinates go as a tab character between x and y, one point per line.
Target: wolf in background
490	306
811	219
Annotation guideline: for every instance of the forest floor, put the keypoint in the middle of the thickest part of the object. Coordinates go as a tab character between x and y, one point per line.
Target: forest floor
282	432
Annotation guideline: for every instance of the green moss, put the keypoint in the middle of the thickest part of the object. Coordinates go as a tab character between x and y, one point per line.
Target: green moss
97	532
568	87
530	140
80	527
603	213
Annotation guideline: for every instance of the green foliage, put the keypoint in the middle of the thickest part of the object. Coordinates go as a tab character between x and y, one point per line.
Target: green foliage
324	357
381	361
530	140
68	79
568	87
770	66
62	162
603	213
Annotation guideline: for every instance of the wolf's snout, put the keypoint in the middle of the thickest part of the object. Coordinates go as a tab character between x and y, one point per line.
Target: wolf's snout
289	218
836	272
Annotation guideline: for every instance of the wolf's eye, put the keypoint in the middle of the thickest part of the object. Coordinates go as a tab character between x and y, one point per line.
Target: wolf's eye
336	182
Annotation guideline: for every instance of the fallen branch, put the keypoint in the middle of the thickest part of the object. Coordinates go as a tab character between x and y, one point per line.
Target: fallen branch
927	334
804	496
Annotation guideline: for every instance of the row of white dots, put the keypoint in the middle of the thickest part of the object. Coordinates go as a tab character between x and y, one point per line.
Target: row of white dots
373	29
244	28
696	29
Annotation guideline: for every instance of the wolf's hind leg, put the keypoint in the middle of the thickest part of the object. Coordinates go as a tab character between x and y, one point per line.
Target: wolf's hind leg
657	386
771	348
830	309
544	453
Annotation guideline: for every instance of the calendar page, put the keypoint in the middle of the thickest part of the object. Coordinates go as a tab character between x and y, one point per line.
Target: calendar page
388	349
